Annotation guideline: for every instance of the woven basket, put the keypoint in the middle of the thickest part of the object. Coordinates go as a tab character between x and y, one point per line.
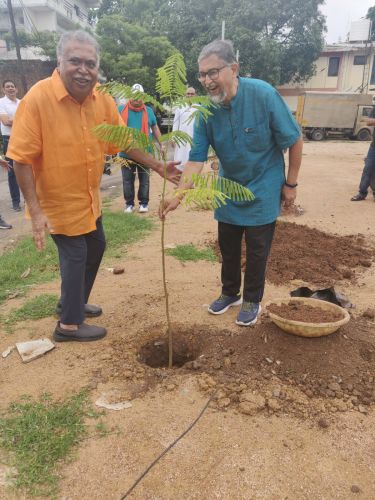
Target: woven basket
303	329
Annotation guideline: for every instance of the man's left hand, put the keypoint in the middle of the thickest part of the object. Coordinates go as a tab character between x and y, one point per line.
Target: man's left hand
288	195
173	173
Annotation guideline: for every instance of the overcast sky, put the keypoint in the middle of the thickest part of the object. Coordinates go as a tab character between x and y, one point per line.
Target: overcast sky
340	13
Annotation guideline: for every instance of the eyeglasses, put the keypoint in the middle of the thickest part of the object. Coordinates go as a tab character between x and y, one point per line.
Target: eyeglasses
213	74
88	64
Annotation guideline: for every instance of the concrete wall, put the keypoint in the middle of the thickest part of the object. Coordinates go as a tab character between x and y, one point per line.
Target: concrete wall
34	70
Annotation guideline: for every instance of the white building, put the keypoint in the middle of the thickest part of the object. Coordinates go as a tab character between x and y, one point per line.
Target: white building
341	67
41	15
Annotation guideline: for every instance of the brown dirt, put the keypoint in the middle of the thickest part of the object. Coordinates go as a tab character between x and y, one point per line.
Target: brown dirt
296	311
305	376
313	256
316	257
291	417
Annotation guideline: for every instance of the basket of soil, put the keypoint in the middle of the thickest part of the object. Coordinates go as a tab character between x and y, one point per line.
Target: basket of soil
307	317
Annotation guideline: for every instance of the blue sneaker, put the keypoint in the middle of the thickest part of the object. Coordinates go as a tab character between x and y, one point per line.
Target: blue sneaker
223	303
249	313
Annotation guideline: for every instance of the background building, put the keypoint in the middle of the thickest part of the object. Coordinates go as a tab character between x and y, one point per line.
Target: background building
40	15
341	67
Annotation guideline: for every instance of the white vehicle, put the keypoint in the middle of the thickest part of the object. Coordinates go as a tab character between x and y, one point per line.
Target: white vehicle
324	114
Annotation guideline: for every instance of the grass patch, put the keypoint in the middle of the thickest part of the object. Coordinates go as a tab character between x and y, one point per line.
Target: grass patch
39	435
23	266
25	260
121	229
185	253
39	307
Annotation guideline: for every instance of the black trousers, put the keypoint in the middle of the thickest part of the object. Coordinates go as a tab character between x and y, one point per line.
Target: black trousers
80	257
258	245
12	181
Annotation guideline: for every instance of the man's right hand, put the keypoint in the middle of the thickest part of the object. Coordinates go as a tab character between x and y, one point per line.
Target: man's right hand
39	226
173	173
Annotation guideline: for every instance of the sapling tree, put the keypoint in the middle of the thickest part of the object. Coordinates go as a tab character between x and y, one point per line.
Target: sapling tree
209	190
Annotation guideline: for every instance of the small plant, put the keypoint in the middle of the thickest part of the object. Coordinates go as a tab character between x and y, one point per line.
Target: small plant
186	253
40	434
209	190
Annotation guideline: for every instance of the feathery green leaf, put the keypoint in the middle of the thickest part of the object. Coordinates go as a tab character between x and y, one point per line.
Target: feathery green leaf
123	137
211	191
178	136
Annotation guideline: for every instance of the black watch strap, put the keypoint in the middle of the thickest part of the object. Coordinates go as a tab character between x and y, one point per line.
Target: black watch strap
290	185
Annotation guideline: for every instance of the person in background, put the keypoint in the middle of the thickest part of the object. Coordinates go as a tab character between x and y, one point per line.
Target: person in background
59	165
249	128
8	107
4	225
182	121
136	114
369	167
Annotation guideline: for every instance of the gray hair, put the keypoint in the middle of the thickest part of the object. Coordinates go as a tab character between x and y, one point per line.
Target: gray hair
80	36
223	49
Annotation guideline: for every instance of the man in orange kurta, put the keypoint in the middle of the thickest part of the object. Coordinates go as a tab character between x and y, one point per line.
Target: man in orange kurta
59	164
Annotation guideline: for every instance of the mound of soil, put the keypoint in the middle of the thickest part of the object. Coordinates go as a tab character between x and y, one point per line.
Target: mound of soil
303	253
287	374
297	311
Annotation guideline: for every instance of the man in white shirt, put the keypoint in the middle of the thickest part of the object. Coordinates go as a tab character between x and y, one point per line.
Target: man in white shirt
181	122
8	108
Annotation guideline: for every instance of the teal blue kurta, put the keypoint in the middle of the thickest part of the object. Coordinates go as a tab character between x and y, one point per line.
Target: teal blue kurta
249	136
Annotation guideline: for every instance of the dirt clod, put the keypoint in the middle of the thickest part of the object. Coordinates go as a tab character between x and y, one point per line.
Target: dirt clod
369	313
323	423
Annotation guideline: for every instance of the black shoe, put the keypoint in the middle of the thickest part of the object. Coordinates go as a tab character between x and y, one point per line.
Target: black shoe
90	310
358	197
85	333
4	225
17	208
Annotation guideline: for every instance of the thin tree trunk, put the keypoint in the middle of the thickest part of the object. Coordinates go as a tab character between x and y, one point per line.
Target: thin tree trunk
169	329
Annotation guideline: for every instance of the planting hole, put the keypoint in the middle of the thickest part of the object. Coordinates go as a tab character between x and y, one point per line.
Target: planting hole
155	353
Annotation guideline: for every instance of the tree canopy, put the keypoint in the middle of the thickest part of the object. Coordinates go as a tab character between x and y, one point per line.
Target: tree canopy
278	40
130	53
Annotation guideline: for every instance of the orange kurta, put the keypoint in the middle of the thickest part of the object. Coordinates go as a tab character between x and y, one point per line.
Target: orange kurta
52	133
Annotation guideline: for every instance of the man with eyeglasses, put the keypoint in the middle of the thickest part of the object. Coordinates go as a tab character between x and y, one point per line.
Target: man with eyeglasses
249	129
59	164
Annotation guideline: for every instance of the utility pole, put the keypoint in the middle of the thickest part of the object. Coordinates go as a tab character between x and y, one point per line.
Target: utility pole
223	30
17	45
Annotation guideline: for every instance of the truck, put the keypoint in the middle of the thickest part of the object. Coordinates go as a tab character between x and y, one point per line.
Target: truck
340	114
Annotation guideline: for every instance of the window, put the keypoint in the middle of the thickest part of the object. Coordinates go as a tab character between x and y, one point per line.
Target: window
333	66
360	60
366	111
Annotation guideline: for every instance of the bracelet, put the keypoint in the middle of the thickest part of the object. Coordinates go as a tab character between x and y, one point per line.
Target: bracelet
290	185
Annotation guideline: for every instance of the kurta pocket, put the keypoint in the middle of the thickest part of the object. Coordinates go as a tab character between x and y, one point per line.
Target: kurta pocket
258	136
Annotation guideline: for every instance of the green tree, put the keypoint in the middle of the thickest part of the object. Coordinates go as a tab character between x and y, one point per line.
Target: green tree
278	40
130	52
44	42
